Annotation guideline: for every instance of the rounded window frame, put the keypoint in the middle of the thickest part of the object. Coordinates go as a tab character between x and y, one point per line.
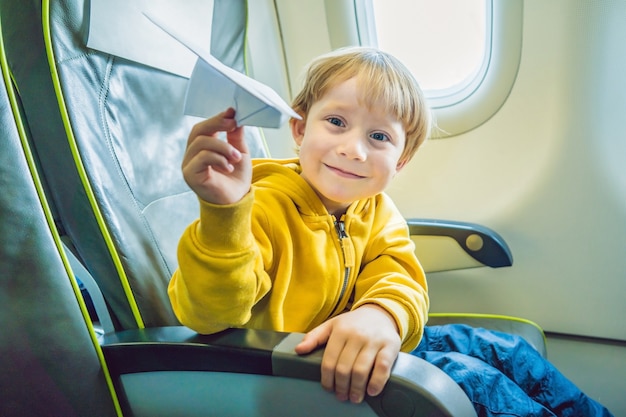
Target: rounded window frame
459	110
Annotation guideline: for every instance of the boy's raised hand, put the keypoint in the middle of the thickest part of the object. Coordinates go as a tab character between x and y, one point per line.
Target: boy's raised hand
361	348
218	172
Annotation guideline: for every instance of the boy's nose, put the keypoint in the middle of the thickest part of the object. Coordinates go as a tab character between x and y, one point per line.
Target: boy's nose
353	147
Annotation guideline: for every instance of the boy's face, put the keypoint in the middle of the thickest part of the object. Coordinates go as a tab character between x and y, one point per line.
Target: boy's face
348	151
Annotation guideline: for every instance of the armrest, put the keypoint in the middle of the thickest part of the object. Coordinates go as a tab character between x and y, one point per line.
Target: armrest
415	388
446	245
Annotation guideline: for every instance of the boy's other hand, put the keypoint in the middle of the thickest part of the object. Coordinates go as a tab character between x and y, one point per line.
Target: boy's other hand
361	348
218	172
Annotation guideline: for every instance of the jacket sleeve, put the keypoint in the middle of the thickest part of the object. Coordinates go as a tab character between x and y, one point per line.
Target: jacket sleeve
220	271
392	277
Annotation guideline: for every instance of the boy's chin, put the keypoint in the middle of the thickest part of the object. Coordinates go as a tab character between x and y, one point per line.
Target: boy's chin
338	203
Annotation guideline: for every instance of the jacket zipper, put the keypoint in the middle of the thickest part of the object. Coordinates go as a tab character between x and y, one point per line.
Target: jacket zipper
340	228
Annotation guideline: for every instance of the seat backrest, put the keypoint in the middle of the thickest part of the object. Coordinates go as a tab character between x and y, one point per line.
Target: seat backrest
111	155
49	359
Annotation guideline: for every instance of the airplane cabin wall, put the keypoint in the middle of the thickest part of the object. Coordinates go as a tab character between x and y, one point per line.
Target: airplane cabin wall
545	172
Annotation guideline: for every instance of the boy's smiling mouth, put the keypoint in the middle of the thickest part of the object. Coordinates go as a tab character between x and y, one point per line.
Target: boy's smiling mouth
343	173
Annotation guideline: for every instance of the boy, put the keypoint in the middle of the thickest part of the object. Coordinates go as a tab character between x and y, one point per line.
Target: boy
314	245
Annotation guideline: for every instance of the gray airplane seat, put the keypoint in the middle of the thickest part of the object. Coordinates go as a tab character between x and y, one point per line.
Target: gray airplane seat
48	356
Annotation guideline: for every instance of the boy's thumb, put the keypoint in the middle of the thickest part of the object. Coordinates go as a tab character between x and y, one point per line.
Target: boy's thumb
314	339
237	139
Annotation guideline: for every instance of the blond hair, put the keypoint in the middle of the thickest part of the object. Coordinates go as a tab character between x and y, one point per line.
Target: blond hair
386	82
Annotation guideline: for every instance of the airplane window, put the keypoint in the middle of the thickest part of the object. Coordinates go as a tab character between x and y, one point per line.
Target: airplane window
464	53
442	41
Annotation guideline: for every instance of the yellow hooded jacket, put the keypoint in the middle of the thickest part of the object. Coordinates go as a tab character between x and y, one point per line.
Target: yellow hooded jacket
278	260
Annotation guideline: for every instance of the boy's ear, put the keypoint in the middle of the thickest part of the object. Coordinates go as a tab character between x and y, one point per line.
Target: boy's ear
400	165
297	129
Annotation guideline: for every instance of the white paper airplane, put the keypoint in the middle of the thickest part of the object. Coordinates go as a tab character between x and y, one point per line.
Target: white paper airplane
214	87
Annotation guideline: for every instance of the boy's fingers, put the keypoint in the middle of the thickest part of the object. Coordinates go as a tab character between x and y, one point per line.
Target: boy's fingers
209	151
314	339
224	121
237	140
235	136
368	373
335	374
381	372
231	150
342	374
360	376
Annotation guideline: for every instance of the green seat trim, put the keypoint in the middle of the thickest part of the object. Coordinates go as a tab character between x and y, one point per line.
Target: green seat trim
488	316
484	321
81	169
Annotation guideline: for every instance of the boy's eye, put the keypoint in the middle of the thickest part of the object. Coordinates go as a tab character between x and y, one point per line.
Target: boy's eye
336	121
379	137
